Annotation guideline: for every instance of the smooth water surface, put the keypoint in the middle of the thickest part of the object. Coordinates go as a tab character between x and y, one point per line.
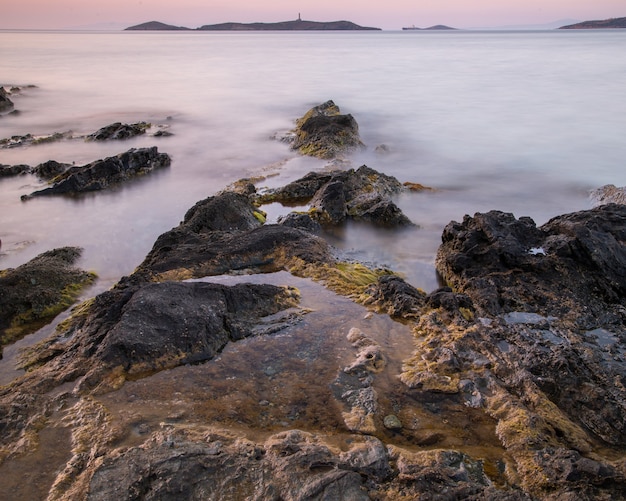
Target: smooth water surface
526	122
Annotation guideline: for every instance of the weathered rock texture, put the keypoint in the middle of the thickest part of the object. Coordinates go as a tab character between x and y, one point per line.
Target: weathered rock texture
102	174
337	196
324	132
119	130
32	294
535	336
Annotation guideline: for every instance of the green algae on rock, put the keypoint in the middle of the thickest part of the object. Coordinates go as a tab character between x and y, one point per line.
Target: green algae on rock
324	132
37	291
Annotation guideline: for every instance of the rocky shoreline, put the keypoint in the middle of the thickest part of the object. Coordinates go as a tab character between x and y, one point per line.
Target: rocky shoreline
515	387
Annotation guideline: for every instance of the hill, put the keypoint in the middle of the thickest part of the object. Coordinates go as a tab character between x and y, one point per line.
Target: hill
156	26
616	22
297	25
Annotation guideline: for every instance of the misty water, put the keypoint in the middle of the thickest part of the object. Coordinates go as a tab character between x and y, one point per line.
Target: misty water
524	122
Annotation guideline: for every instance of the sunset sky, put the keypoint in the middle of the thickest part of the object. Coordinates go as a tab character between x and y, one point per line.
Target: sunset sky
389	15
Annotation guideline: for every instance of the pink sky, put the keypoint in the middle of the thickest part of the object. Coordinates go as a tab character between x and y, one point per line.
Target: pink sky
389	14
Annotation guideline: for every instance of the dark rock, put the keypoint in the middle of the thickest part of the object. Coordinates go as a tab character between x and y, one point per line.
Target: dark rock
14	170
34	293
222	234
5	102
570	267
158	326
102	174
334	197
325	133
50	169
119	130
392	295
301	221
546	296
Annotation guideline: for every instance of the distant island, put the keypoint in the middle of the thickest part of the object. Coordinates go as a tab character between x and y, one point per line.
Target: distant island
436	27
296	25
617	22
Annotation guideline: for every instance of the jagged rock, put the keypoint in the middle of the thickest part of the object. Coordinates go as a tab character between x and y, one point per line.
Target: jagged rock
101	174
572	267
324	132
394	296
34	293
223	233
119	130
334	197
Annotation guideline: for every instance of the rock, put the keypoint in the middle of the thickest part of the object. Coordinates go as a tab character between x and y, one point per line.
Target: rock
35	292
392	422
301	221
523	345
5	102
50	169
580	273
119	130
14	170
29	139
334	197
324	132
145	328
395	297
102	174
609	194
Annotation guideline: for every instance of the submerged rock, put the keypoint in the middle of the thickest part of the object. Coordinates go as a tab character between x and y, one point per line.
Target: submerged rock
32	294
102	174
324	132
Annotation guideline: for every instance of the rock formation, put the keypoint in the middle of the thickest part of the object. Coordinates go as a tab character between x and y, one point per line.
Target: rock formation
37	291
102	174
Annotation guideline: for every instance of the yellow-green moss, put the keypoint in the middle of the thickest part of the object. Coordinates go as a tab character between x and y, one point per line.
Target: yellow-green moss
33	319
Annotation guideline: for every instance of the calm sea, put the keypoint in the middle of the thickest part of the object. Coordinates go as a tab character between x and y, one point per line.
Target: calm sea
525	122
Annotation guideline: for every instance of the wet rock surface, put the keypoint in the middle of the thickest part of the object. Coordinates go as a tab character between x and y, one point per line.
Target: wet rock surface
325	132
34	293
118	131
335	197
102	174
510	386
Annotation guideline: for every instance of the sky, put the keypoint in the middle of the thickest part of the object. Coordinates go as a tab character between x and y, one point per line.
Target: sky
388	14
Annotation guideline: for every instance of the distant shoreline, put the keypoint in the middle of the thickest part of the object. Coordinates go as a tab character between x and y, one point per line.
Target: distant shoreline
296	25
617	22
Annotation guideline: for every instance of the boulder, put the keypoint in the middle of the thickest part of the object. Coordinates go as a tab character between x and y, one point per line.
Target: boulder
102	174
324	132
